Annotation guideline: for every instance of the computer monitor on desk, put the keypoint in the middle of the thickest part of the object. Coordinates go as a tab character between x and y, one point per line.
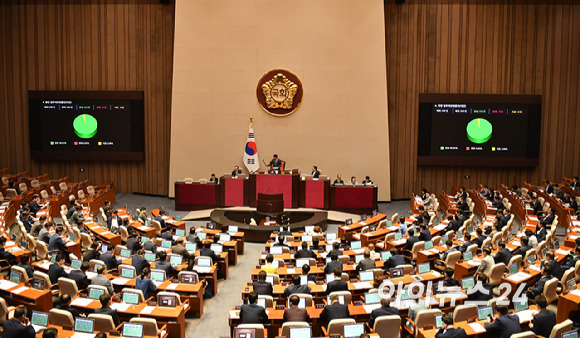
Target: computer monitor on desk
204	261
245	333
131	298
167	301
133	330
95	293
84	325
300	332
127	273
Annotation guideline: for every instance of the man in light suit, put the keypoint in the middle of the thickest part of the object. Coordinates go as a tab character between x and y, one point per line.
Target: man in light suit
487	262
179	248
100	279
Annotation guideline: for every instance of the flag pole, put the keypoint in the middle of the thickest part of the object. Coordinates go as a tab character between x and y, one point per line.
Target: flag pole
251	124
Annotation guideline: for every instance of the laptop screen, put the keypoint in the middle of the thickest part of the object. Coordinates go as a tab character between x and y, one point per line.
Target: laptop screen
244	333
396	272
84	325
532	260
150	257
95	293
358	258
348	221
303	280
187	278
484	312
37	283
389	223
468	256
167	301
204	261
340	299
301	303
39	318
366	276
385	255
175	259
372	298
96	267
179	233
513	269
132	330
572	284
158	276
467	283
521	306
125	253
166	244
232	229
329	278
217	248
570	334
127	273
15	277
438	321
261	302
331	236
423	268
428	245
144	239
353	330
225	237
300	332
398	236
104	247
355	245
190	246
309	229
202	235
307	238
301	262
131	298
270	279
276	250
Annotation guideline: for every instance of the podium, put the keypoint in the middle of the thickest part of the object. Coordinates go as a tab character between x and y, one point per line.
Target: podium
270	203
315	193
285	184
234	192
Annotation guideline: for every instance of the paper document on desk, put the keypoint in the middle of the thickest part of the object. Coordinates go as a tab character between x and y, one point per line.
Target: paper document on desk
535	267
120	306
70	243
440	227
234	315
358	251
147	310
172	286
518	277
362	285
324	287
119	281
82	302
526	315
143	228
363	223
576	223
202	269
345	228
170	221
400	241
6	284
91	275
290	270
124	216
575	292
105	233
477	327
44	265
371	307
562	252
20	290
475	263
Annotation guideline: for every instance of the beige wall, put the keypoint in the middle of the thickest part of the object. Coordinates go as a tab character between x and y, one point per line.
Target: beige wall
336	48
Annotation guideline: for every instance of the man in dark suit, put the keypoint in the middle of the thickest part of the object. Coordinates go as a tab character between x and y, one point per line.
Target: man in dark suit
19	325
447	330
550	217
497	203
333	264
92	253
26	220
109	259
56	270
335	249
543	321
505	325
294	313
453	224
305	252
462	205
315	173
384	310
422	214
542	232
334	310
275	163
261	287
159	218
192	237
338	180
114	222
106	308
572	263
6	255
460	216
139	261
80	276
253	313
480	237
236	171
337	284
466	242
296	287
65	305
485	294
56	242
443	255
395	260
208	252
133	243
425	234
151	244
524	247
538	288
34	204
367	263
575	183
71	208
460	194
536	205
163	264
411	240
555	267
449	280
167	235
549	187
503	255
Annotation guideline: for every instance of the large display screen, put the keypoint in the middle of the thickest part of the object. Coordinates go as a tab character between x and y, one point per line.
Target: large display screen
482	130
86	125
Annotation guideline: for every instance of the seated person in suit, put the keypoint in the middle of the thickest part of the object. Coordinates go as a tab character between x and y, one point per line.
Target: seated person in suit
213	179
422	214
541	232
24	264
417	304
315	245
315	173
462	205
505	325
555	267
179	249
335	249
503	255
367	263
487	262
275	163
65	305
163	264
524	247
497	203
411	240
480	237
333	264
447	330
449	280
532	239
159	218
425	234
80	276
114	222
466	242
144	283
374	255
353	181
109	258
92	253
236	171
281	239
139	261
253	313
395	260
337	284
56	243
538	288
19	325
443	255
384	310
484	294
294	313
334	310
100	279
550	217
543	321
572	263
460	194
44	233
56	270
192	237
367	181
453	224
296	287
305	252
269	267
38	226
261	287
151	244
338	180
305	271
106	308
134	243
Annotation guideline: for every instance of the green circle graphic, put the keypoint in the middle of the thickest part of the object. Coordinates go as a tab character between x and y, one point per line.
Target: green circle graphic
479	130
85	126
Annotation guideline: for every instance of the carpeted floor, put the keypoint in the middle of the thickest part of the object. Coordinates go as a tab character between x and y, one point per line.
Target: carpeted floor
214	322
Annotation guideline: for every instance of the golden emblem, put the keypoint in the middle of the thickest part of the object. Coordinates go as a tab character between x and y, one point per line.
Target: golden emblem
279	92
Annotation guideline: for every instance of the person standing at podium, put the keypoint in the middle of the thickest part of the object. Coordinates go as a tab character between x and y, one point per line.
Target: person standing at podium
315	173
236	171
338	180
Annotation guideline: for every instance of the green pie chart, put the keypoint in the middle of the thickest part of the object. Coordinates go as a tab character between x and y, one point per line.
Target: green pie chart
479	130
85	126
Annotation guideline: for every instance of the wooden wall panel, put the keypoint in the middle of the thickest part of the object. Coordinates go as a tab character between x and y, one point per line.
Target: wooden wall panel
88	45
483	47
